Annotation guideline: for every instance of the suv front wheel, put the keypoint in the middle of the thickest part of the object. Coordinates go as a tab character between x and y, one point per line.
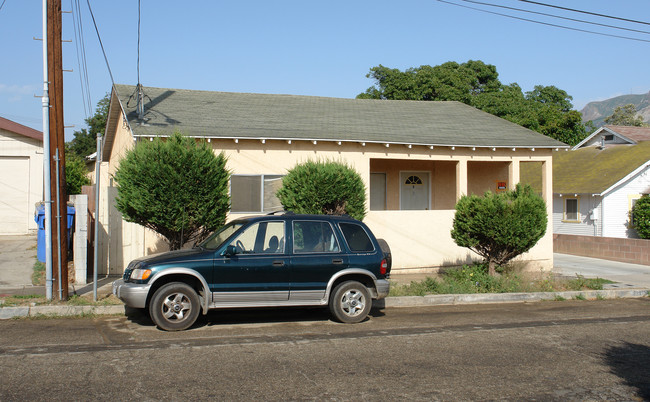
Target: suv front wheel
350	302
174	307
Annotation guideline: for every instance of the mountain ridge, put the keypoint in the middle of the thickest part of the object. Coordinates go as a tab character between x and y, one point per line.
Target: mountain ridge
598	111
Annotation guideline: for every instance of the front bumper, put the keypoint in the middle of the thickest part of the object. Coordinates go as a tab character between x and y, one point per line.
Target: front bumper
132	294
383	287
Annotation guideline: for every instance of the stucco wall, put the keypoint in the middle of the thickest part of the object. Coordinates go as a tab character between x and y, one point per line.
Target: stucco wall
25	187
418	239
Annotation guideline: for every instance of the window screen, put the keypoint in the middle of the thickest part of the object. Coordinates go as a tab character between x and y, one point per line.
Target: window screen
255	193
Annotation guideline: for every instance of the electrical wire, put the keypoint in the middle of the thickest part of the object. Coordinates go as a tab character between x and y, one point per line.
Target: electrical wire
3	4
100	43
557	16
138	42
81	57
545	23
585	12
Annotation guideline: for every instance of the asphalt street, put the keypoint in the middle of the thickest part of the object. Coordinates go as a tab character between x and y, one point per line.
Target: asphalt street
571	350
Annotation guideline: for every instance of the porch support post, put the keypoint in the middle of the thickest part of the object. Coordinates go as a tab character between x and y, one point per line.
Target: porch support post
461	178
547	184
513	174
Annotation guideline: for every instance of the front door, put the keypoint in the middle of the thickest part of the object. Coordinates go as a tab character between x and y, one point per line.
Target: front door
414	191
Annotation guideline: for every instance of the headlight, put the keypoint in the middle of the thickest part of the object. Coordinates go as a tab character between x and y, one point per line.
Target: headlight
141	274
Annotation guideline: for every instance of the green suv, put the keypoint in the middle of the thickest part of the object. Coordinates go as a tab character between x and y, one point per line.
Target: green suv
263	261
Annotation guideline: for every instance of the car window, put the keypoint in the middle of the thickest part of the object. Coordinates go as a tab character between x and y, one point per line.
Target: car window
261	238
314	237
216	240
356	237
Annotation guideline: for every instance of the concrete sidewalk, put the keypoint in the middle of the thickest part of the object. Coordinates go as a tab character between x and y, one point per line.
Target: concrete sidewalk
626	275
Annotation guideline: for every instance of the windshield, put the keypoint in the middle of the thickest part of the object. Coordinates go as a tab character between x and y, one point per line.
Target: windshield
217	238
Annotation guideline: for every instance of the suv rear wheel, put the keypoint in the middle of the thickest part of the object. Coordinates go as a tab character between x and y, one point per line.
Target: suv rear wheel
174	307
350	302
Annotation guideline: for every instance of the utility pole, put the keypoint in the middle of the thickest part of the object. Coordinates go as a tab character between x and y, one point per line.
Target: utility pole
59	216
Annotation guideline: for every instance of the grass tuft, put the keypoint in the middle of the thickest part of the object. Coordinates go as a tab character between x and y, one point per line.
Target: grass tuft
475	279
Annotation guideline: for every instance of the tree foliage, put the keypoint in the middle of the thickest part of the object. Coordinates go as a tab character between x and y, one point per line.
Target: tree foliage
84	142
177	187
625	116
641	216
75	175
323	187
501	226
545	109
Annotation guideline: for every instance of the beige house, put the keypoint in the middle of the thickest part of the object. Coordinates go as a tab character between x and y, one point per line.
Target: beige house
416	158
21	177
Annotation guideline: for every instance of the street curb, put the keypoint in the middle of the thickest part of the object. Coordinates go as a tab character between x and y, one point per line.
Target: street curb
494	298
59	311
400	301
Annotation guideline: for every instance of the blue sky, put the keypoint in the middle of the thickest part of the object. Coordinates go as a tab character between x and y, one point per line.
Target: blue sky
317	48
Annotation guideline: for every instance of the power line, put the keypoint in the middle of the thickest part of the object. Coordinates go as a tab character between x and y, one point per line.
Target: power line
3	4
100	43
556	16
81	57
585	12
544	23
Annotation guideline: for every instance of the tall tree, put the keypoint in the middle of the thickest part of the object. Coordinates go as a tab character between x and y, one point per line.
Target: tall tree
84	141
545	109
625	116
176	187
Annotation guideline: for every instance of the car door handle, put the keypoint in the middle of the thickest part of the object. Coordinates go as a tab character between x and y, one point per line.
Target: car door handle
278	263
337	261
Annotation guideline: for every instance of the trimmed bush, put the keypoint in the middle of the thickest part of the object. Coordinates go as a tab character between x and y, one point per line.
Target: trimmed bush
178	188
323	187
501	226
641	214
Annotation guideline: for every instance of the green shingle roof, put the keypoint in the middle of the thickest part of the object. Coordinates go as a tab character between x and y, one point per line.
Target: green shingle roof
592	170
255	116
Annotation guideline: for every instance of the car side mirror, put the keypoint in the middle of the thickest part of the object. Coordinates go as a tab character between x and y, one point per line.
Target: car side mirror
230	250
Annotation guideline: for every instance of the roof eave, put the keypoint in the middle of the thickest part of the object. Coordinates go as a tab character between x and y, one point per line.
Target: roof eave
363	141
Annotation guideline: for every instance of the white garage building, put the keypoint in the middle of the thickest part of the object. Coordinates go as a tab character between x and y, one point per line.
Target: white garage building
21	177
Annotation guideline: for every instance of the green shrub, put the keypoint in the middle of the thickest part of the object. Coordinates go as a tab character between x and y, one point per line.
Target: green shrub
323	187
75	175
641	214
501	226
177	188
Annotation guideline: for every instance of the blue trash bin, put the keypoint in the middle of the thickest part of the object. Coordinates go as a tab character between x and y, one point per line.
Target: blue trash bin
39	217
71	213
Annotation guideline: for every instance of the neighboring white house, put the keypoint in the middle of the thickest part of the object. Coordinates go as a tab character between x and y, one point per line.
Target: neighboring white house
21	177
597	183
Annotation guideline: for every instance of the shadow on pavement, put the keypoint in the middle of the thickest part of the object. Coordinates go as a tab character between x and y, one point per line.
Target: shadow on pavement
631	362
248	316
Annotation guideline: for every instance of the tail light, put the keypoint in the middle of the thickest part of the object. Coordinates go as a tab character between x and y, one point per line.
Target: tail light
383	268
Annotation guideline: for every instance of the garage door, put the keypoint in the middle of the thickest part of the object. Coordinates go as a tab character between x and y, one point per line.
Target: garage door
14	195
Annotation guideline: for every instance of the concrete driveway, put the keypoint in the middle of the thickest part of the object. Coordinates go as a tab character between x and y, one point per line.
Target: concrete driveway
17	258
627	275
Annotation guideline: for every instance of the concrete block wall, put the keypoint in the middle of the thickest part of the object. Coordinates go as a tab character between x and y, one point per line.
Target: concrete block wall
635	251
